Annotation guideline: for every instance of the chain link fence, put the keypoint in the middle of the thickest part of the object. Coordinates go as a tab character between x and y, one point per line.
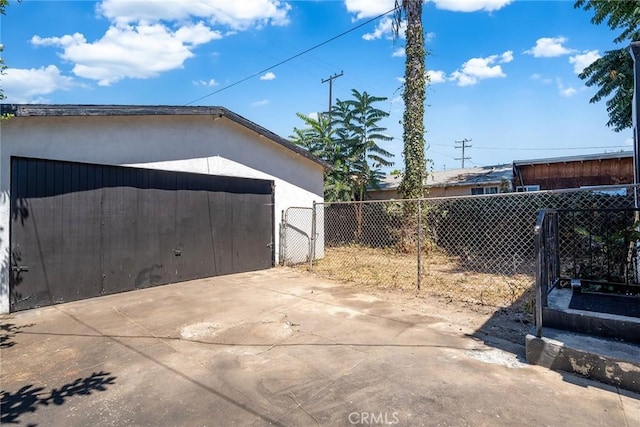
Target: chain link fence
301	235
477	249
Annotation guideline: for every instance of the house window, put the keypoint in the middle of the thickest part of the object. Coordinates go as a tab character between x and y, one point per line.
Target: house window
484	190
491	190
527	188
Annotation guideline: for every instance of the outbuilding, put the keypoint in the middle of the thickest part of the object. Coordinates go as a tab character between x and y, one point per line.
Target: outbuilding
98	199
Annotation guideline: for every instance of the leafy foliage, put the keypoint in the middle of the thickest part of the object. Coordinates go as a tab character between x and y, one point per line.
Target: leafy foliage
613	73
350	143
414	97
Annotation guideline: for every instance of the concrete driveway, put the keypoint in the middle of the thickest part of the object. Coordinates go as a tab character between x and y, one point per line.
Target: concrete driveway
276	347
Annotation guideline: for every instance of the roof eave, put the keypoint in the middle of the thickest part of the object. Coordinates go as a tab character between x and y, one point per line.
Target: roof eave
61	110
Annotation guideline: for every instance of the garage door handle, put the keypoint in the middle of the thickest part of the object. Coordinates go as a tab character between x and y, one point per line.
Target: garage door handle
19	268
177	252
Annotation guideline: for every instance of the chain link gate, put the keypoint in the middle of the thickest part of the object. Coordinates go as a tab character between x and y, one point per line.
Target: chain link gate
302	236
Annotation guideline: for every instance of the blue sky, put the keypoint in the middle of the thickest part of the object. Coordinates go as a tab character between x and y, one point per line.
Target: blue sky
503	73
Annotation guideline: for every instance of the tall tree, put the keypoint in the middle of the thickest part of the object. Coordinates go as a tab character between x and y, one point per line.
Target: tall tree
414	96
350	143
362	132
613	73
319	138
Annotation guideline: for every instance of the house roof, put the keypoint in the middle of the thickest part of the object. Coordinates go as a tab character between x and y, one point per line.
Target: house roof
580	158
481	175
35	110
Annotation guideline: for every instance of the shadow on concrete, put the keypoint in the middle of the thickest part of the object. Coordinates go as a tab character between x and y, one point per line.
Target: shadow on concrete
29	398
507	327
8	332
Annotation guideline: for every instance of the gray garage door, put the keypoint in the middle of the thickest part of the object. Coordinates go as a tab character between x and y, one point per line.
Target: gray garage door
82	230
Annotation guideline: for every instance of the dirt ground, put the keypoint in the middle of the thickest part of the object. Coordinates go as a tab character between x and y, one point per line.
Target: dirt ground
495	305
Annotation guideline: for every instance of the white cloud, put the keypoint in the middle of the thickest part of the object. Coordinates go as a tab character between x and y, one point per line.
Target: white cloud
268	76
436	76
506	57
126	51
583	60
477	69
471	5
564	90
313	116
385	29
61	41
541	79
368	8
28	85
260	103
149	37
236	14
549	47
398	53
629	142
209	83
371	8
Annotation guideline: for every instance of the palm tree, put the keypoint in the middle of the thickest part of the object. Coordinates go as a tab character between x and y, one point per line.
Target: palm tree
414	96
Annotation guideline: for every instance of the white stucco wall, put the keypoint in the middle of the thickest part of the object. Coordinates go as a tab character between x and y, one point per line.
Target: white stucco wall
190	143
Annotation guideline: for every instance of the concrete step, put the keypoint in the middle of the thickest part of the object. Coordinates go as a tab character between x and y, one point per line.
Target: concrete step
558	315
601	359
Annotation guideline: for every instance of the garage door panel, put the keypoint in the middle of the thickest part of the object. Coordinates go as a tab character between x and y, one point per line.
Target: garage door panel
87	230
72	252
154	237
119	211
59	255
222	227
251	238
194	238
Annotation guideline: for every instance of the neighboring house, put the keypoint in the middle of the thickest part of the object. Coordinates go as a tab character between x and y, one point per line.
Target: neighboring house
103	199
455	182
573	172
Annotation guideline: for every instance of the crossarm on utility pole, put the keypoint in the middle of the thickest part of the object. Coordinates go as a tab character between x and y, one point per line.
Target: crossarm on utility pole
330	79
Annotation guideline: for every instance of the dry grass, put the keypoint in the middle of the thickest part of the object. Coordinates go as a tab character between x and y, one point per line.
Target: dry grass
442	276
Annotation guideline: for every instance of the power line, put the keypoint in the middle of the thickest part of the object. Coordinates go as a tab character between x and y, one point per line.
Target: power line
537	149
291	57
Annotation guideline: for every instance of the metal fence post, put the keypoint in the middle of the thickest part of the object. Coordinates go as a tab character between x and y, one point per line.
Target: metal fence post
283	238
419	242
539	278
312	240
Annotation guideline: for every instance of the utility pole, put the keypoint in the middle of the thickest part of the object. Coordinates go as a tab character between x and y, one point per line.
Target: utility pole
330	79
463	145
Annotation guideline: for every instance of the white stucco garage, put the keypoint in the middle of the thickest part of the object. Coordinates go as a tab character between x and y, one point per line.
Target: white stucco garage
196	140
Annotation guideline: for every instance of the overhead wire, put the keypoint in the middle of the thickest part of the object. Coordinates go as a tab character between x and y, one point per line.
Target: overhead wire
476	147
291	57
